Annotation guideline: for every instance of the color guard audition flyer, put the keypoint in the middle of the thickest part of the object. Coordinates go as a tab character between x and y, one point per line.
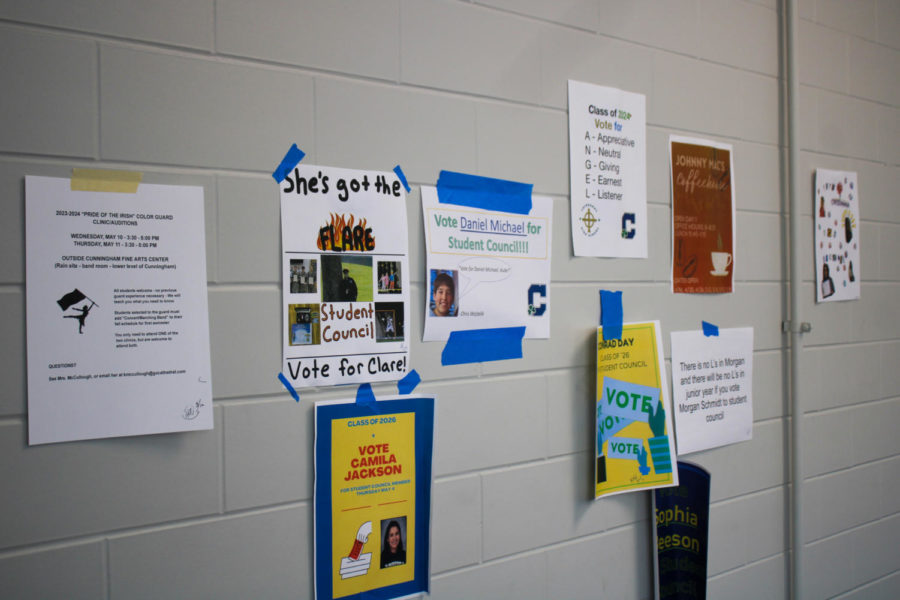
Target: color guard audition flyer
117	319
702	216
486	268
373	498
635	445
346	276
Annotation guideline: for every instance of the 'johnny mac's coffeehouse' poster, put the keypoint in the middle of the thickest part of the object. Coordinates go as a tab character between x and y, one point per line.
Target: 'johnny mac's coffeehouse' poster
702	216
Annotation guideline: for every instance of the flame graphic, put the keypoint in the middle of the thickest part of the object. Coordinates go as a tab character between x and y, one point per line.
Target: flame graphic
337	225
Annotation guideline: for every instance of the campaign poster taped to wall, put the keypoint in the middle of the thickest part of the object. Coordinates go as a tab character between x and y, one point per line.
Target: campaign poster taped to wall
836	213
703	219
635	445
486	269
373	497
117	318
712	388
681	535
608	171
345	276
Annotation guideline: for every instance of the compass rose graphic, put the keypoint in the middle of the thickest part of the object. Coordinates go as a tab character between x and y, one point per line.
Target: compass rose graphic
589	220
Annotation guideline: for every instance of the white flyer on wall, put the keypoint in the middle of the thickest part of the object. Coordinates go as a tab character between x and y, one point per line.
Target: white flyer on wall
486	269
117	318
712	388
608	171
345	276
837	236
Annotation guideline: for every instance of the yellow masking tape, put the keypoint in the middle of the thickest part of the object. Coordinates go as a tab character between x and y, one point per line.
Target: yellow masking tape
100	180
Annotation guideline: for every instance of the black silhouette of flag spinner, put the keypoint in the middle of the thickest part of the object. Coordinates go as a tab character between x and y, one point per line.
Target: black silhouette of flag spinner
70	299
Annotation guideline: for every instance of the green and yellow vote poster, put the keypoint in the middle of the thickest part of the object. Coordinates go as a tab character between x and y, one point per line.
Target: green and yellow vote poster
635	442
373	497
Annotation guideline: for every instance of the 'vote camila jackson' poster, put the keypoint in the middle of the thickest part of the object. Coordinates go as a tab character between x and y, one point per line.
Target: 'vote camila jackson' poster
373	497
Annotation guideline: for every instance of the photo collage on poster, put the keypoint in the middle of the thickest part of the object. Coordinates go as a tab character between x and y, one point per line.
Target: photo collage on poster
344	278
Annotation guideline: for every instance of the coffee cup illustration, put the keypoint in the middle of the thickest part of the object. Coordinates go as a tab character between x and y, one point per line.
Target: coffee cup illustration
720	261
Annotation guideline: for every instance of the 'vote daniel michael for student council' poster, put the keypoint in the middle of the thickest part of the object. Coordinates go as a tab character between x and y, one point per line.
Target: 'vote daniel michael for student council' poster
486	268
373	498
345	276
635	443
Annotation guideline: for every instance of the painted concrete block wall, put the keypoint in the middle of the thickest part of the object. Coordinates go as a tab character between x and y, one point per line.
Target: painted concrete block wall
850	362
212	93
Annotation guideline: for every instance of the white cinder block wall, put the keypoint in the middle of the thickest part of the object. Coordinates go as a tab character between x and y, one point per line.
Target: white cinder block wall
212	93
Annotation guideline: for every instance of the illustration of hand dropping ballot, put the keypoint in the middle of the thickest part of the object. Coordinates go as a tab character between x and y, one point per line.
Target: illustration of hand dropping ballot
357	564
642	461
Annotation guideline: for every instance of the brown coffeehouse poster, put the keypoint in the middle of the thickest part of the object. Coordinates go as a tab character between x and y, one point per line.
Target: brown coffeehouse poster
702	216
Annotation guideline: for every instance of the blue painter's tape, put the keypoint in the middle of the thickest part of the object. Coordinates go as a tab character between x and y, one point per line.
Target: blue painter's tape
402	178
710	329
409	383
484	192
364	395
290	388
290	160
483	345
611	314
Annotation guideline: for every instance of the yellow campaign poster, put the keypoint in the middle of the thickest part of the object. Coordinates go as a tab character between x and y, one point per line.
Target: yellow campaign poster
635	443
373	487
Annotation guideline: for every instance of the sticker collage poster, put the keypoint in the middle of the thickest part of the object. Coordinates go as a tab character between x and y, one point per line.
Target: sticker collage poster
373	497
345	276
635	437
703	216
486	268
608	171
836	213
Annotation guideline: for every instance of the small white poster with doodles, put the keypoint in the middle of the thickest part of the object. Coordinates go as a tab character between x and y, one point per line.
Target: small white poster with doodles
836	214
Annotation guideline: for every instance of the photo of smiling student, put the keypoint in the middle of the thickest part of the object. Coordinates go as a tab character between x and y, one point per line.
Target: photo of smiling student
443	293
393	552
